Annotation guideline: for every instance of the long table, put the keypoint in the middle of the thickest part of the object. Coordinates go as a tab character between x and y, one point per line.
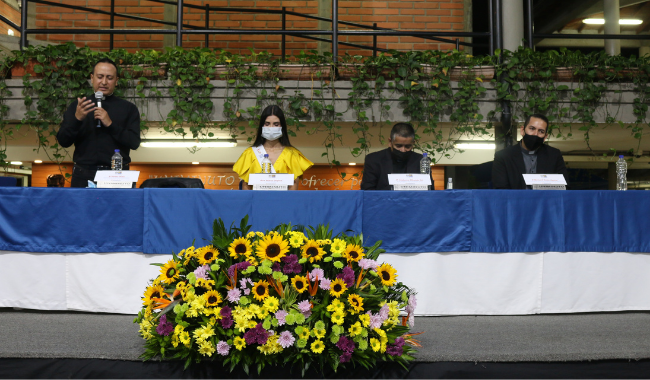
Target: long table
466	252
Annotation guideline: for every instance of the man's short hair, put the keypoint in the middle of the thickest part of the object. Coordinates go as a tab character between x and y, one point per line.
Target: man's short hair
536	116
55	180
403	130
110	62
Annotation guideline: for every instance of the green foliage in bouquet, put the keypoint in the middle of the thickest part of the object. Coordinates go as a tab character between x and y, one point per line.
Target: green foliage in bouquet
290	296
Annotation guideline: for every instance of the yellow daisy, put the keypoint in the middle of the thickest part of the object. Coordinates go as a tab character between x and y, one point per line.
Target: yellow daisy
272	247
250	235
239	343
318	334
305	333
374	343
356	302
387	274
318	346
261	290
338	246
212	298
338	317
168	272
296	239
271	304
154	291
337	287
312	251
207	254
353	252
187	254
300	283
240	247
355	329
205	284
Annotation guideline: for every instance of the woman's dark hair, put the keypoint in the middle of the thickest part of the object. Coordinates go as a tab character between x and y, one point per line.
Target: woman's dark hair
275	111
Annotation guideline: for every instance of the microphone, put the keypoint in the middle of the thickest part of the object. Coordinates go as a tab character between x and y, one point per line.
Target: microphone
99	96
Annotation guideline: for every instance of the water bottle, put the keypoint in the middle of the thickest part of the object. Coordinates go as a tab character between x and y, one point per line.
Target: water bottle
266	164
450	184
425	164
621	174
116	160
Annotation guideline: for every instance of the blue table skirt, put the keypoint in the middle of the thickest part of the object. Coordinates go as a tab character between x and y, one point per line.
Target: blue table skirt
166	220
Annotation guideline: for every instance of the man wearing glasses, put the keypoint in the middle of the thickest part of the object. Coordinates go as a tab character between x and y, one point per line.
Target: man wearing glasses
530	156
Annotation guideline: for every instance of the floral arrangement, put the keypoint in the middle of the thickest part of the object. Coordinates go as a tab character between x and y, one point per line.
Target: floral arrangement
290	296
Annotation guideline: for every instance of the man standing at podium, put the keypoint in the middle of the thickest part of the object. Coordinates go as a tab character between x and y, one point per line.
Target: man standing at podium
96	130
397	158
529	156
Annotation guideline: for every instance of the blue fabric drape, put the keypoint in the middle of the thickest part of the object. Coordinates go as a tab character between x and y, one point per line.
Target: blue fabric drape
175	217
431	221
70	220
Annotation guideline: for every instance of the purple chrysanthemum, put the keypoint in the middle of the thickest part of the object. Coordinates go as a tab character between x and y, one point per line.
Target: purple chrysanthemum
164	327
413	301
226	322
316	273
347	276
291	265
239	266
286	339
304	306
375	321
368	264
345	344
276	267
383	312
233	295
280	315
223	348
345	357
202	272
394	350
324	284
256	335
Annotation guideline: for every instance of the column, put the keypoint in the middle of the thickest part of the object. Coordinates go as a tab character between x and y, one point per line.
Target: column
512	14
612	10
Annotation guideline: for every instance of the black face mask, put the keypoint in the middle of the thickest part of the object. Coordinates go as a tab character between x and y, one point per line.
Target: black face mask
398	155
532	142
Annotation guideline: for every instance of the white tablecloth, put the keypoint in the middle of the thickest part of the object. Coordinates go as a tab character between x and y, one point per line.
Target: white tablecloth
449	283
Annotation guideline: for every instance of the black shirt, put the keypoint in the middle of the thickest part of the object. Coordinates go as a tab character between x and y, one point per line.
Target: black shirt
94	146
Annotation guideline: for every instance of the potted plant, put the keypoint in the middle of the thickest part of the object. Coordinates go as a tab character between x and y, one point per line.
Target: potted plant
307	66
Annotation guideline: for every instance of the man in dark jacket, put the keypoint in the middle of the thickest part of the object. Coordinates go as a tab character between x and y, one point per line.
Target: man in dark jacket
529	156
397	158
97	132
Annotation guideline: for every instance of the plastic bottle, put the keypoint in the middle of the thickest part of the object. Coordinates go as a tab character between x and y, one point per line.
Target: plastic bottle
266	164
116	160
425	164
621	174
450	184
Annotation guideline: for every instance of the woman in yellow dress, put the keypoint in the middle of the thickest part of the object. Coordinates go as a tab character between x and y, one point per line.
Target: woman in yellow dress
272	139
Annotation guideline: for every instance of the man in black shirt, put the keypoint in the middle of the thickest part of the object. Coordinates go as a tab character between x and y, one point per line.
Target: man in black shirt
96	132
397	158
530	156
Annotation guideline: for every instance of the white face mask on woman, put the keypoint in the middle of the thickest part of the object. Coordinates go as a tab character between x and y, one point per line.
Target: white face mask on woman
271	133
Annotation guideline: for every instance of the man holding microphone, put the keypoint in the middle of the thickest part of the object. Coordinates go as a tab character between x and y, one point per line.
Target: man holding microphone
97	129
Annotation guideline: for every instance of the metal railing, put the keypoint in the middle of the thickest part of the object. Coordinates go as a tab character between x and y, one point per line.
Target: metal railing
182	29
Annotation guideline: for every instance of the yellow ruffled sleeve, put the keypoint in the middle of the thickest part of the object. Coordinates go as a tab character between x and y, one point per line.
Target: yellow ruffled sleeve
293	162
247	164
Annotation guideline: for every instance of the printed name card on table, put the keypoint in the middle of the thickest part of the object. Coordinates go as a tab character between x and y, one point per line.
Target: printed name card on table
410	181
270	181
545	181
116	179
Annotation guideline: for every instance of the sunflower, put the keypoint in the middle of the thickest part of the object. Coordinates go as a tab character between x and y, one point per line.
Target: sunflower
272	247
337	287
240	247
154	291
387	274
207	254
168	272
212	298
353	253
300	283
261	290
356	302
312	251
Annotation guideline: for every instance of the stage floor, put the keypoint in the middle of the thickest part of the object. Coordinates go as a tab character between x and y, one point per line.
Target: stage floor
529	338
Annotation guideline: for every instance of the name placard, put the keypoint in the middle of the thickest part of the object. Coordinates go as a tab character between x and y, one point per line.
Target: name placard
270	181
410	181
545	181
116	179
